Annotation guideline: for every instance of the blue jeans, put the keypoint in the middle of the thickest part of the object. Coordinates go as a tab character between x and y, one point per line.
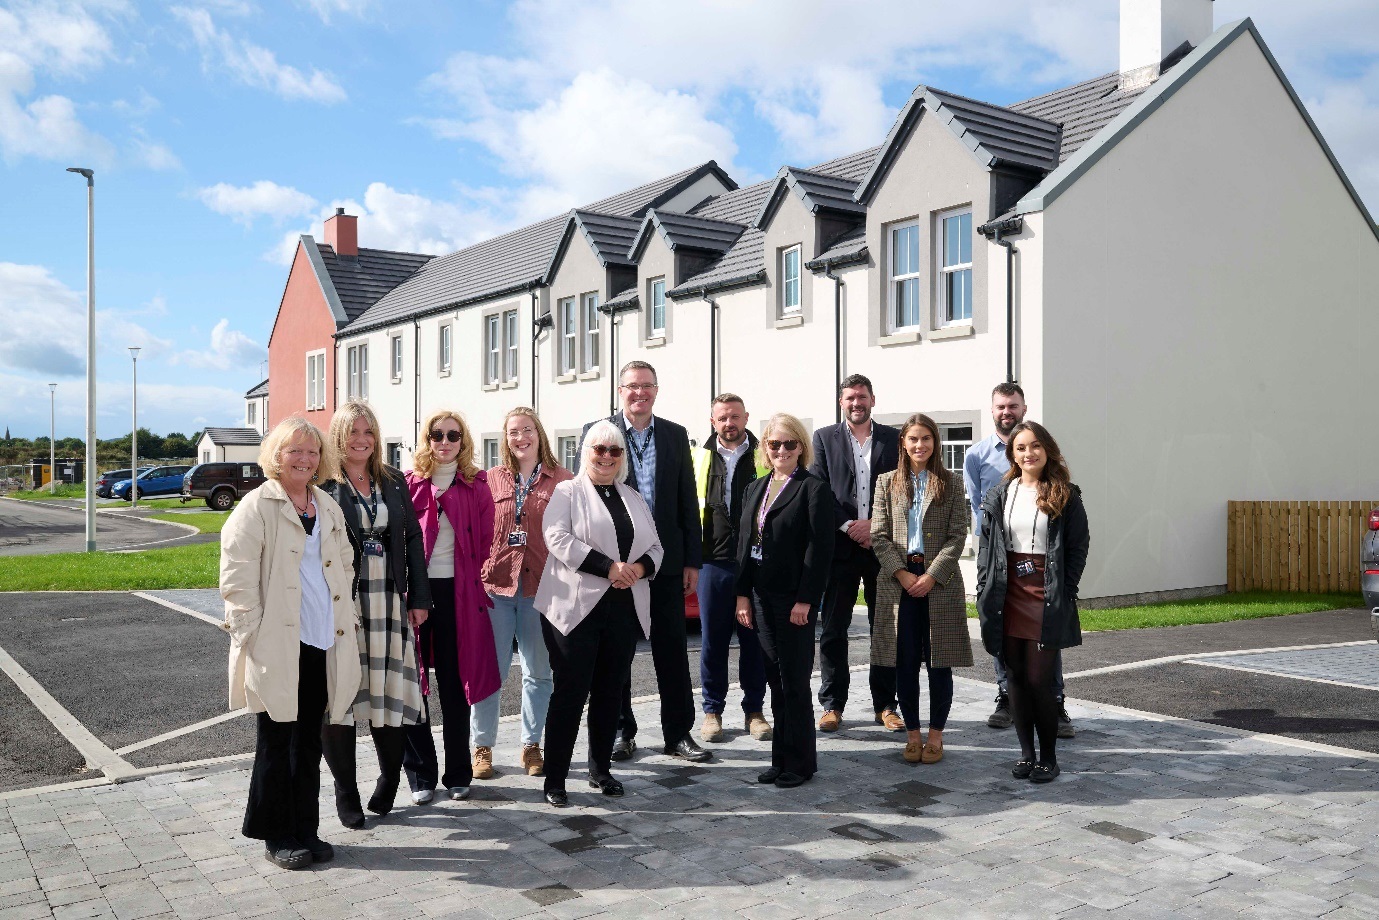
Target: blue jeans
717	623
516	617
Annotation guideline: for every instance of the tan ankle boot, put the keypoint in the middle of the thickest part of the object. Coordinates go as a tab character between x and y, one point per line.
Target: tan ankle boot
758	727
532	761
483	763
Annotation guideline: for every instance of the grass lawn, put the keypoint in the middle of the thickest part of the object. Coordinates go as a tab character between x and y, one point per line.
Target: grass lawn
196	566
204	521
1219	609
43	495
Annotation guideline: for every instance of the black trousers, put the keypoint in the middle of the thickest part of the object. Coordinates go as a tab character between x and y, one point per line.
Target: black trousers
437	644
592	663
789	651
668	655
285	785
913	649
858	570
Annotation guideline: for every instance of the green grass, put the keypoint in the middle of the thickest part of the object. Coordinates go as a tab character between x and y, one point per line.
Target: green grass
196	566
160	503
204	521
1218	609
43	495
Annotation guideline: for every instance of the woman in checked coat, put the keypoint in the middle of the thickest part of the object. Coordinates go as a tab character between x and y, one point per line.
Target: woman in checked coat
919	524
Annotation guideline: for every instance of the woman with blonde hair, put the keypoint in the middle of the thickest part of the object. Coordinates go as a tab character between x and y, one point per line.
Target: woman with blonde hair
394	597
455	508
522	485
294	635
919	526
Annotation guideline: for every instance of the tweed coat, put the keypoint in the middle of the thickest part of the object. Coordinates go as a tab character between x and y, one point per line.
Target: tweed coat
946	523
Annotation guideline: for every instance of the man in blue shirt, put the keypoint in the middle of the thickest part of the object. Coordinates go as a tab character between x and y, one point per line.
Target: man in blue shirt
984	467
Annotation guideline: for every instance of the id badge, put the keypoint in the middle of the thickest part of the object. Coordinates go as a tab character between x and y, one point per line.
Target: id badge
1024	568
756	552
373	547
517	538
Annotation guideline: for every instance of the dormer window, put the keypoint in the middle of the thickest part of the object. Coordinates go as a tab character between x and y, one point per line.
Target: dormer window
904	282
790	281
656	309
955	268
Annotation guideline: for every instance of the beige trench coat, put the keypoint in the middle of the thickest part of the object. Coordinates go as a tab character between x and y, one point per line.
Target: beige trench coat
946	524
260	579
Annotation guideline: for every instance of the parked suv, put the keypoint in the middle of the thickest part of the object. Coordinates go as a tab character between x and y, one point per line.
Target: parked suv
221	484
1369	571
161	480
110	477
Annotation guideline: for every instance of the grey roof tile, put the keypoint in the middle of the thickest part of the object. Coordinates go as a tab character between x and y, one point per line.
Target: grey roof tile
1083	109
234	437
687	231
362	280
627	298
744	262
818	191
1010	137
608	235
850	247
259	390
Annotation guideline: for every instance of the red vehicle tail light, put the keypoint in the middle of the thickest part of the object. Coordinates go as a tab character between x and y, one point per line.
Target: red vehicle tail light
1374	519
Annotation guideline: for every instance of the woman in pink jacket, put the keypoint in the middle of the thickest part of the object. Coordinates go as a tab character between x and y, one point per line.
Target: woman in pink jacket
455	508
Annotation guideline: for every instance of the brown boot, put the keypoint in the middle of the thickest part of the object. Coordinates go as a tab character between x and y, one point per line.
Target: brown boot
758	727
830	721
532	761
483	763
712	729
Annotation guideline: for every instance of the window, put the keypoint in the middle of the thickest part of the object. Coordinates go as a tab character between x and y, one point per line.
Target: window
395	455
490	453
656	309
790	281
565	314
493	345
443	359
589	304
396	351
905	277
357	361
316	380
568	448
510	350
955	269
956	440
205	456
251	414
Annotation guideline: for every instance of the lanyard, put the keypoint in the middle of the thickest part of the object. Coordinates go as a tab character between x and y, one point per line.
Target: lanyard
766	504
1010	517
370	505
639	452
521	491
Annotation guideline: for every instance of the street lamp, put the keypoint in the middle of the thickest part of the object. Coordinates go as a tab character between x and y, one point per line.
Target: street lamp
134	434
52	435
90	353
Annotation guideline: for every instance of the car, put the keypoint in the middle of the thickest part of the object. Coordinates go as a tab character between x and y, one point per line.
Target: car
221	484
1369	571
110	477
161	480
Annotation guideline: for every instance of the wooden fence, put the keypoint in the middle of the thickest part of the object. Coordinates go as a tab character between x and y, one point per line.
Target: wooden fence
1295	546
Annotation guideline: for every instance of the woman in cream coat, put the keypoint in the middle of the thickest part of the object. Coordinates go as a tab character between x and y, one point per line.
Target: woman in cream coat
595	598
286	575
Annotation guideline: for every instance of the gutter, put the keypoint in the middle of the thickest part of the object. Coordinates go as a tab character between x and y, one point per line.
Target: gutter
521	288
755	277
713	343
612	315
538	325
837	335
994	231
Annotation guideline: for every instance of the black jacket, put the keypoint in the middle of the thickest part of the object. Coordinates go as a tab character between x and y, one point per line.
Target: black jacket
406	549
720	527
1069	540
797	540
833	463
677	508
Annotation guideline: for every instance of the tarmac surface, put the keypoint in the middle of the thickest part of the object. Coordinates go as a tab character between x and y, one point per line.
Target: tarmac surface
30	528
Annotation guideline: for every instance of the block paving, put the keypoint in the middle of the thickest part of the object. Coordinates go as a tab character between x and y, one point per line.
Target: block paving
1357	665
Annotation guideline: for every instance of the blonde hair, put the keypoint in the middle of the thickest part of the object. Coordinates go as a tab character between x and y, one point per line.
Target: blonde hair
603	432
795	430
342	426
282	434
543	451
424	460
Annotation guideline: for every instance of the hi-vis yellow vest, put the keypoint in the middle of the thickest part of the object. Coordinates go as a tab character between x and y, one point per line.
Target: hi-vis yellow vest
703	459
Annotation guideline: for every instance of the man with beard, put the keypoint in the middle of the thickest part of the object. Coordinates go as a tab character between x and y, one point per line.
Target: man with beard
848	457
723	468
985	466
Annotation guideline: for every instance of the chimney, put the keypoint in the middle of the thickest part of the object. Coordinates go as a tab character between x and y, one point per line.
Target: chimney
1151	30
342	233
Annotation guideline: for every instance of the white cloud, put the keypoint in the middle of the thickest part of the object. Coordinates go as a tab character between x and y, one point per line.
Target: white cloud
254	65
230	349
246	203
155	156
328	8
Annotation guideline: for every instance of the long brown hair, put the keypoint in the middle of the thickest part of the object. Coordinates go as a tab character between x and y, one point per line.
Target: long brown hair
424	461
544	456
342	425
1055	482
902	483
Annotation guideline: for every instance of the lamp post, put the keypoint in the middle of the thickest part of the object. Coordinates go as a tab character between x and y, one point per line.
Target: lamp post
52	435
134	434
90	353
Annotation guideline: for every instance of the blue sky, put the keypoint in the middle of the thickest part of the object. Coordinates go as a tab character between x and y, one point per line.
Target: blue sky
222	129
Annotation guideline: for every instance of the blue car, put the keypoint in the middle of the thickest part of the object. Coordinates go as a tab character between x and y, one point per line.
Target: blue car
161	480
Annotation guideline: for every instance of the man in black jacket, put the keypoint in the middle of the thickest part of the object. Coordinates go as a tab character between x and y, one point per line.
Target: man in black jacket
660	467
848	457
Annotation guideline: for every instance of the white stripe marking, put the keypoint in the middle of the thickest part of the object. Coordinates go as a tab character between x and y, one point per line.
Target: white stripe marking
179	608
1266	673
1193	657
179	732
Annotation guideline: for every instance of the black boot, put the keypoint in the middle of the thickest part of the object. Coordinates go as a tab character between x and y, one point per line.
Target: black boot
389	743
337	744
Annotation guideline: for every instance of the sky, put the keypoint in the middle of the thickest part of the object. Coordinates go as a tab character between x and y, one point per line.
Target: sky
220	130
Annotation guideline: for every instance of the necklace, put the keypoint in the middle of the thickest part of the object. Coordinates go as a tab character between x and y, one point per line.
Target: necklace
302	509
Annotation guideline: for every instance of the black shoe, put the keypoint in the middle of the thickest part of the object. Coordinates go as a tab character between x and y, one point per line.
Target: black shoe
1044	772
287	853
1065	724
769	776
623	748
1022	769
686	749
384	794
790	780
319	849
1001	718
605	784
348	809
557	798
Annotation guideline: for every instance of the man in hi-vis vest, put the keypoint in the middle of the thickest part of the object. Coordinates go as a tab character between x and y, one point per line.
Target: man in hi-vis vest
722	469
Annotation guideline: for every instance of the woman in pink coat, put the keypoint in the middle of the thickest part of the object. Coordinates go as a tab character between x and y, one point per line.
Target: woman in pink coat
455	508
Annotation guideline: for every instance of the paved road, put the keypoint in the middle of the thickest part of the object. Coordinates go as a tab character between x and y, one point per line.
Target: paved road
33	528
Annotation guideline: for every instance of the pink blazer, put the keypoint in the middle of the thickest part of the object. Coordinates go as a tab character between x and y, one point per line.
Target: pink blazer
468	506
577	521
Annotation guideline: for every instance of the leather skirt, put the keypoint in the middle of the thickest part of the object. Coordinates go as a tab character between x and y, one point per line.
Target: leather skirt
1023	612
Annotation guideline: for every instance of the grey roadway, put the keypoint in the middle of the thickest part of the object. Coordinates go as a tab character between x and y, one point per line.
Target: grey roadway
34	528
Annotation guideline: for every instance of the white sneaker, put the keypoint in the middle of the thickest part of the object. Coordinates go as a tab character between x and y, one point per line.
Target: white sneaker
422	796
458	792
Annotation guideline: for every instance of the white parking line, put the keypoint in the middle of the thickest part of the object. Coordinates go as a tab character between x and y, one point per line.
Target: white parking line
178	607
1264	673
179	732
1195	657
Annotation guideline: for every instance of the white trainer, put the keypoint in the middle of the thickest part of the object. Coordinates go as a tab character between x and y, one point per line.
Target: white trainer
458	792
422	796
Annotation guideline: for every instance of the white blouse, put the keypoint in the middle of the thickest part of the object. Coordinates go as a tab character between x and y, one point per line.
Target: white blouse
442	564
1027	528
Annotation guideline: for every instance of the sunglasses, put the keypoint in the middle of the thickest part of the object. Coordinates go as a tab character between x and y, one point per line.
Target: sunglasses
451	436
604	450
777	445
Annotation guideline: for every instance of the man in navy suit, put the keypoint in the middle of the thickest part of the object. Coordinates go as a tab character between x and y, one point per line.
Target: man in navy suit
848	457
660	467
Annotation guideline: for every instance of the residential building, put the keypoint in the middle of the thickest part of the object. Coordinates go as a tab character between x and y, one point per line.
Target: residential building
232	445
256	408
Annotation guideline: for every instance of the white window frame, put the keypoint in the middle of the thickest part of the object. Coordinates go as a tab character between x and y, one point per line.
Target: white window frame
316	380
942	271
568	322
787	307
393	452
589	332
656	308
567	453
894	278
490	453
357	377
950	443
395	351
510	346
493	348
445	351
251	414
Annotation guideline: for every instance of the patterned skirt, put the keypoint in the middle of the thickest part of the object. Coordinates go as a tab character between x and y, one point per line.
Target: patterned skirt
390	691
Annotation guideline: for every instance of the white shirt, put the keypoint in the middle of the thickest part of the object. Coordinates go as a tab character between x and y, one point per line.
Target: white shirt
730	457
442	564
1027	528
861	463
318	618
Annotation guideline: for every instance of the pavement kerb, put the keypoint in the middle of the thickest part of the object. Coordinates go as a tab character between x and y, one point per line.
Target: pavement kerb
188	529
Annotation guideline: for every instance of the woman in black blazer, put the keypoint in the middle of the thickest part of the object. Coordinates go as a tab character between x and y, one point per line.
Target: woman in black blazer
785	546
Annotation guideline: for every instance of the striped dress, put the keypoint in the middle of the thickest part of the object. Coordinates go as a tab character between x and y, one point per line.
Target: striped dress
390	691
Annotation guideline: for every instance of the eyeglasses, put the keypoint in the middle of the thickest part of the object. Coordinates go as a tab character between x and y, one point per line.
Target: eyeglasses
451	436
639	387
777	445
521	433
607	450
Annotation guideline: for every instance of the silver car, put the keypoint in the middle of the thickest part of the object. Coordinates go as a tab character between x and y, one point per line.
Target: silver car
1369	571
